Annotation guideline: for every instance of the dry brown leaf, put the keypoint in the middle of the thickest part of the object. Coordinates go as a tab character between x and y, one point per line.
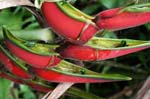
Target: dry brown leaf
144	92
12	3
58	91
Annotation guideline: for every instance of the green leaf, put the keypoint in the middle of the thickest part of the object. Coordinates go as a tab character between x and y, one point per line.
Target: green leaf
32	35
147	26
90	9
27	92
20	19
112	3
15	22
5	86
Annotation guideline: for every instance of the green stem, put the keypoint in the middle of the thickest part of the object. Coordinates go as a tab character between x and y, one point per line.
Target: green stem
32	35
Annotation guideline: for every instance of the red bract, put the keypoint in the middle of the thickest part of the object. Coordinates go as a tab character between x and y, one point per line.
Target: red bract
34	85
108	13
76	27
31	54
86	53
39	61
13	67
115	19
106	49
79	52
67	72
54	76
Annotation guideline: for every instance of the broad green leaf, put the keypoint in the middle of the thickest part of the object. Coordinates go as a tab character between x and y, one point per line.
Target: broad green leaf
27	92
20	19
11	20
5	86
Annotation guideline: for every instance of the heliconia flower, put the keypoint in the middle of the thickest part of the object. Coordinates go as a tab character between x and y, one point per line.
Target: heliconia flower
123	18
67	72
39	57
103	48
33	84
13	66
35	54
68	21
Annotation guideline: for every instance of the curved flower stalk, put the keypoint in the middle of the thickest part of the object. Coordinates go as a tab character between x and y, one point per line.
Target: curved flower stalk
68	21
103	48
123	18
35	54
14	67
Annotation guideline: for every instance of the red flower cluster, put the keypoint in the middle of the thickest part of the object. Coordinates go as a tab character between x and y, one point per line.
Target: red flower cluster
20	57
